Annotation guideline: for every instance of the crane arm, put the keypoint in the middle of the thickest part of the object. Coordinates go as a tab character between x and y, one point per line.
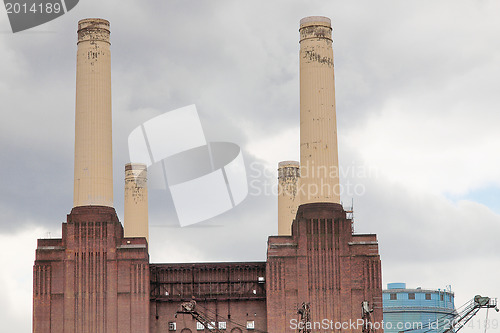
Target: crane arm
206	321
470	311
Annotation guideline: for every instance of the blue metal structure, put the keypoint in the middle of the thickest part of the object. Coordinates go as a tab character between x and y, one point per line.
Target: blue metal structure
419	310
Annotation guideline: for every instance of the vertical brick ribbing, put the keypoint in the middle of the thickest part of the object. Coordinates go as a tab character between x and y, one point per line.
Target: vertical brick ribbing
343	270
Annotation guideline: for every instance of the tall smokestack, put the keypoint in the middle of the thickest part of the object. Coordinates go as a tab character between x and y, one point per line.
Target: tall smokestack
288	198
318	125
93	148
136	201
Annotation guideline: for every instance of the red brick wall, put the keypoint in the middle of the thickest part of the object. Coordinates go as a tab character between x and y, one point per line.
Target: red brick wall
235	313
93	279
325	265
225	292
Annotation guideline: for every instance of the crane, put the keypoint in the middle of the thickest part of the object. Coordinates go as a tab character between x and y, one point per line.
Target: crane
305	317
470	310
367	320
206	321
460	319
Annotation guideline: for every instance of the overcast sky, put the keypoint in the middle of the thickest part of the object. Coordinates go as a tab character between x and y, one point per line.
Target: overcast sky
417	88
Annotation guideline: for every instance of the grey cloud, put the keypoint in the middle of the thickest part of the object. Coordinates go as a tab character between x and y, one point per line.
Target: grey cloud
238	62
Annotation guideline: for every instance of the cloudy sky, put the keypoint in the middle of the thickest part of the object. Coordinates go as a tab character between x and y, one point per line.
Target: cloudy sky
417	86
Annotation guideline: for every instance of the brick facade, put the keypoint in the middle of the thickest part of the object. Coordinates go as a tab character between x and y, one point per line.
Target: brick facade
324	264
95	280
233	293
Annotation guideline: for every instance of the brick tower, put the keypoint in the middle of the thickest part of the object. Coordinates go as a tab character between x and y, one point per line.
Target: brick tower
322	273
92	279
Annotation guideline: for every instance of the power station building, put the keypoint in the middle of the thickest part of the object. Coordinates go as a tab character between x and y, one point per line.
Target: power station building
98	278
419	310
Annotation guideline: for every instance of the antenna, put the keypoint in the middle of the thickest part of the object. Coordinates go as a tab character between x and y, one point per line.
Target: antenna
350	213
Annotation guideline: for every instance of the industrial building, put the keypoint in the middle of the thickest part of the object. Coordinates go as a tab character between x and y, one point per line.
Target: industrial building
98	278
417	309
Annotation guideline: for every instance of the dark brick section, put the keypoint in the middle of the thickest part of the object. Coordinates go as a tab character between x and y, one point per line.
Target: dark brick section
93	279
208	281
325	264
233	293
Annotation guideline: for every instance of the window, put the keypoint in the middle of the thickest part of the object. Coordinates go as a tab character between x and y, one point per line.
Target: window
411	296
172	326
211	325
222	325
250	324
199	326
428	297
393	297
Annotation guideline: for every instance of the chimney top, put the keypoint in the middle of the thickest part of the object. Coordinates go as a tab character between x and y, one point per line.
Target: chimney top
136	172
285	164
135	166
93	29
315	20
316	28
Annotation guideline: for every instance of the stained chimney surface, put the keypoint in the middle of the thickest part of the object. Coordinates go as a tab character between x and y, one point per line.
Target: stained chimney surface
93	177
136	201
288	199
318	125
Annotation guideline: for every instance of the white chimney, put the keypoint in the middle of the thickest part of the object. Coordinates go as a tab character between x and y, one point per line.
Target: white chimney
93	182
